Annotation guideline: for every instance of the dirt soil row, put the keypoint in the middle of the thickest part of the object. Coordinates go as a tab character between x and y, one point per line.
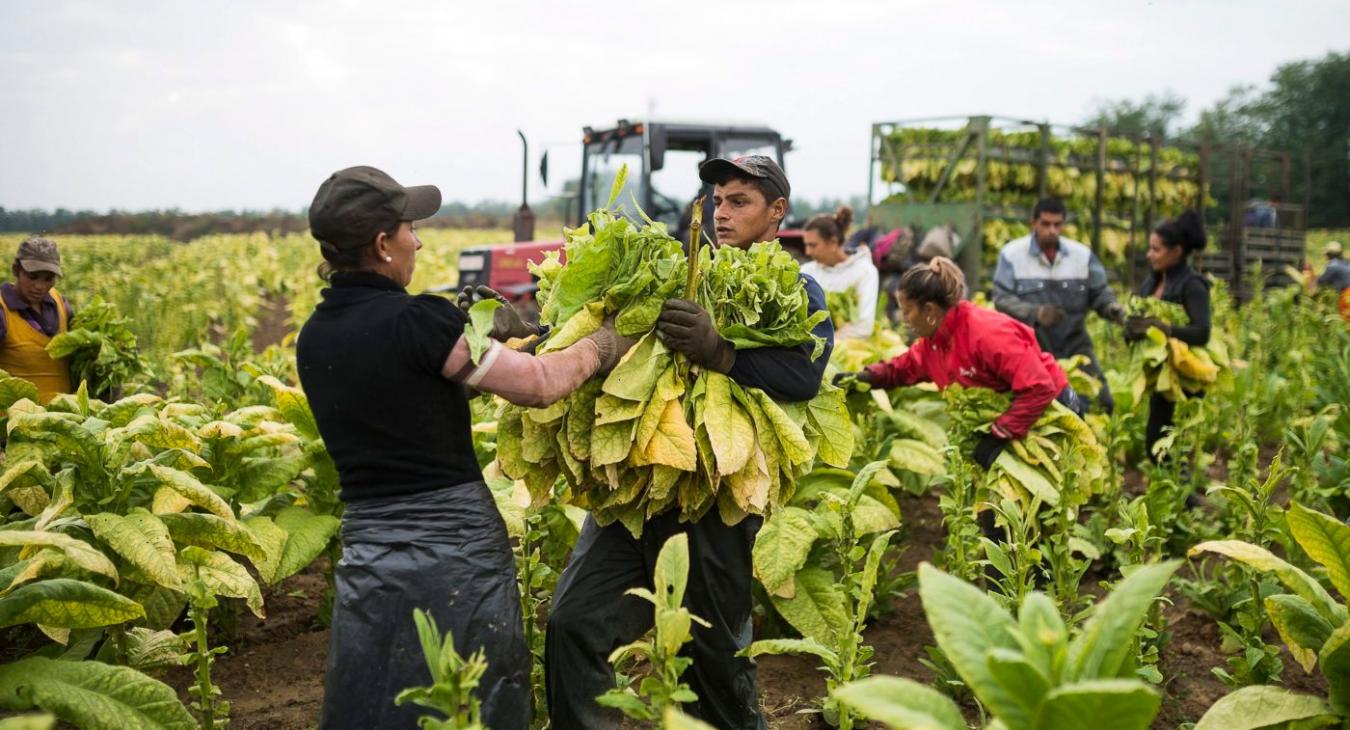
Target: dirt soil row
273	675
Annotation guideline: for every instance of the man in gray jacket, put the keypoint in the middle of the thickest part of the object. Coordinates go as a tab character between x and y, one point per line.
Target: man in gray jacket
1050	282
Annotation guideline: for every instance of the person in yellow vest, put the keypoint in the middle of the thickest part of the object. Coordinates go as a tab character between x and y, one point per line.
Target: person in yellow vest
35	312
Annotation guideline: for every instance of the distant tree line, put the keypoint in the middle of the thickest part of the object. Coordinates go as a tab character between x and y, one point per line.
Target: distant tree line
1303	110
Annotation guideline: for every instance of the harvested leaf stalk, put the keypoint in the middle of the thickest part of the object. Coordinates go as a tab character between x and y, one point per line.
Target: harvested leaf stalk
1060	459
654	434
1167	365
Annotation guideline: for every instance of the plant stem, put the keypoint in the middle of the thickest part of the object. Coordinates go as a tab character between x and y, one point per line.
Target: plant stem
204	686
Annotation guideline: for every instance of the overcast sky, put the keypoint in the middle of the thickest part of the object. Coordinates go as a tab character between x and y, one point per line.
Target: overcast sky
217	105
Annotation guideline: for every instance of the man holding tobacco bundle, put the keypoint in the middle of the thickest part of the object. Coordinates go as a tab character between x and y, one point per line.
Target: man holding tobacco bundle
591	613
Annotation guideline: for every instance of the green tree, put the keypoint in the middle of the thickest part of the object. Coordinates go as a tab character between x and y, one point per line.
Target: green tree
1156	115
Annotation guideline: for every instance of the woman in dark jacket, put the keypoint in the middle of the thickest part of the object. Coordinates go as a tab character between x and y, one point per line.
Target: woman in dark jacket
1173	280
386	374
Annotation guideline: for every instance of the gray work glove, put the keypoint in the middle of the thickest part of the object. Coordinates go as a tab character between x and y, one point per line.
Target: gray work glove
611	344
1048	315
506	321
1115	312
688	328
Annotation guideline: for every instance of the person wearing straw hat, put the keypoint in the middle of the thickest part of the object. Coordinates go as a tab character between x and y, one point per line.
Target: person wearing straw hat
34	313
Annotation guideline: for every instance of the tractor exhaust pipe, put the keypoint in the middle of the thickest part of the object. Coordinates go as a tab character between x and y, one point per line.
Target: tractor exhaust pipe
523	221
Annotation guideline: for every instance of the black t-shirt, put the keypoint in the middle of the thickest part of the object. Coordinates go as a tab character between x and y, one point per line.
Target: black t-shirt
370	360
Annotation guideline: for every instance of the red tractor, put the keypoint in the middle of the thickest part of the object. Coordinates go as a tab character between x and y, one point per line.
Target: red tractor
662	159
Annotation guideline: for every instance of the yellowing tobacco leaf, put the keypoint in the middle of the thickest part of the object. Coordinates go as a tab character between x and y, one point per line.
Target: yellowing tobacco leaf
730	430
673	442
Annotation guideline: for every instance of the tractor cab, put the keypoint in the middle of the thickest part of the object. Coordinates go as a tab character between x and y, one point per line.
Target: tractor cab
663	159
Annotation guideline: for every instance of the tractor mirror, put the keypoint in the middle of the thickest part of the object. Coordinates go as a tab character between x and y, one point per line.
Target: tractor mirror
657	140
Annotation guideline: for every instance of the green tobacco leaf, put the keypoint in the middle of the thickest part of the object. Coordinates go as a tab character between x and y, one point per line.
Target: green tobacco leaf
1043	633
1263	707
828	414
222	576
584	323
1104	647
1303	629
479	327
730	430
781	549
1302	584
162	605
192	489
620	179
911	425
13	390
918	457
294	407
1335	658
1020	676
307	536
968	624
1102	704
790	646
817	609
790	437
77	551
871	565
25	473
210	531
68	604
261	476
273	542
671	574
1029	477
148	649
92	695
901	704
141	539
1327	540
634	378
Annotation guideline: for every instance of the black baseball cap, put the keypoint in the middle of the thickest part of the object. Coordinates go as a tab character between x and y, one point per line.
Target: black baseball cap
356	204
718	169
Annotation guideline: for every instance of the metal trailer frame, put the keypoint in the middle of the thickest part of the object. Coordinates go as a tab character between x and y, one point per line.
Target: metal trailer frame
1232	173
977	128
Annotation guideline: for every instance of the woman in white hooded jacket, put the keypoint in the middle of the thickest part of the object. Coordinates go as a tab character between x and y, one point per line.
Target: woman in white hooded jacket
835	269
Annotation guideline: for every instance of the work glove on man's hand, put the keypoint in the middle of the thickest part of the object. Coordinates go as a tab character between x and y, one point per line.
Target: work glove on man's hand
1137	327
506	321
841	380
988	449
611	344
1048	315
1115	312
688	328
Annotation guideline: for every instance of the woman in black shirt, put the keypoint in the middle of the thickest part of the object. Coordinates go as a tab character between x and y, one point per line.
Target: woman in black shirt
1173	280
385	373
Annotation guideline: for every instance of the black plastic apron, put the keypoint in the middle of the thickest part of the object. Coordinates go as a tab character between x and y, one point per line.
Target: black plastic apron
445	551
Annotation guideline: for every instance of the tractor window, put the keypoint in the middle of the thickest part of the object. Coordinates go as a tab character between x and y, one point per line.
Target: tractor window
745	146
675	185
605	159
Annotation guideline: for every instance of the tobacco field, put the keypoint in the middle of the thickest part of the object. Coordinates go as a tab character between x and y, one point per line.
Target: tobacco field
168	532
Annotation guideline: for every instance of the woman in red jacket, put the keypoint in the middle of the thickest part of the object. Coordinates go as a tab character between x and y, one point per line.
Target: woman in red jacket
978	348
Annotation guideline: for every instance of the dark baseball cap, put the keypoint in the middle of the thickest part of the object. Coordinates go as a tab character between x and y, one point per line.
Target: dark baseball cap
39	254
717	170
355	204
